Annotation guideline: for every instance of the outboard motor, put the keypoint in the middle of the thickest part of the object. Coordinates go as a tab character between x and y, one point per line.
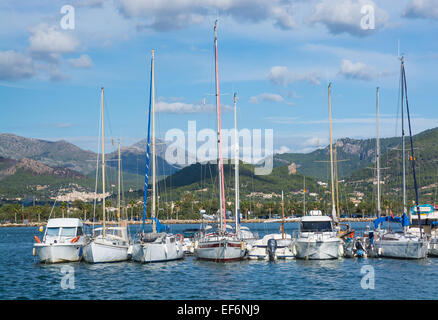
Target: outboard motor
360	251
272	246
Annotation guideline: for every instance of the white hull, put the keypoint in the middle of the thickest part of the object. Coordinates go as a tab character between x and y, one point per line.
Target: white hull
104	251
56	253
157	252
308	248
285	249
406	249
433	247
220	249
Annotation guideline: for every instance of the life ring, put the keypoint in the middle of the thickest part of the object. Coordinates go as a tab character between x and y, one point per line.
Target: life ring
179	237
75	239
37	239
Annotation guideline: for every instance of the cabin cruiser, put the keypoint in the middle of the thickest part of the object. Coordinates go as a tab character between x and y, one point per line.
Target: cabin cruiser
158	247
429	226
63	241
317	238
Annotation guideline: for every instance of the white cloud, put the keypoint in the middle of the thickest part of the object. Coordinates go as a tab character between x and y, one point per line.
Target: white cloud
281	75
283	149
50	40
359	71
421	9
269	97
184	108
341	16
15	66
162	15
84	61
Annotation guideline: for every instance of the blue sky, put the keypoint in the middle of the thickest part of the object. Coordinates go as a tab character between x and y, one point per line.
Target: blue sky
279	56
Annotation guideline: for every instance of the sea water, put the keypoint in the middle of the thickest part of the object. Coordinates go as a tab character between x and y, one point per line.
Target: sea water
22	277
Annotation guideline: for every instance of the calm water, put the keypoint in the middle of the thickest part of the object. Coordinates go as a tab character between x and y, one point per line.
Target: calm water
21	277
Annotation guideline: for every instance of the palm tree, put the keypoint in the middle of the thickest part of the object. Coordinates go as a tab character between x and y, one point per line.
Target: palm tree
16	210
63	206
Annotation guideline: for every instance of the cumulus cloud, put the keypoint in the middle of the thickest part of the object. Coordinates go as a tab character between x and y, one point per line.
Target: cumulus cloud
15	66
282	149
281	75
51	41
84	61
162	15
341	16
268	97
359	71
421	9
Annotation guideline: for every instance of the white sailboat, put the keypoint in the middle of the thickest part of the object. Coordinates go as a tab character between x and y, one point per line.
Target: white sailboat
63	241
405	244
108	244
274	246
317	237
159	245
217	244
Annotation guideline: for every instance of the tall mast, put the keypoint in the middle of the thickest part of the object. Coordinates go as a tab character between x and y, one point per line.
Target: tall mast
154	223
219	141
412	153
335	219
304	196
118	186
403	138
336	180
282	213
103	170
378	154
236	165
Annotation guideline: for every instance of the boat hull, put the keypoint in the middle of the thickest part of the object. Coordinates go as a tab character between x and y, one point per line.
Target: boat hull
101	252
318	249
58	253
400	249
220	250
157	252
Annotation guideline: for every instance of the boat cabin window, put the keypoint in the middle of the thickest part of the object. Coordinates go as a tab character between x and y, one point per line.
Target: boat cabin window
316	226
52	232
80	231
68	231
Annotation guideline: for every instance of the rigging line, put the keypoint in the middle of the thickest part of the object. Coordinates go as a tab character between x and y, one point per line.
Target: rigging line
97	165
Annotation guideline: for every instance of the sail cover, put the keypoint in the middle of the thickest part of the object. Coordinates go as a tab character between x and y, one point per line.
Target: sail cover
403	220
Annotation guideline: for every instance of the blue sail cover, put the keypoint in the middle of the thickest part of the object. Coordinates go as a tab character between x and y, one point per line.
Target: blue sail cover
404	220
160	227
145	199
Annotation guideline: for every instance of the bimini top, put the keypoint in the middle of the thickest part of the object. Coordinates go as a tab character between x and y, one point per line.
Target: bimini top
404	220
64	222
316	218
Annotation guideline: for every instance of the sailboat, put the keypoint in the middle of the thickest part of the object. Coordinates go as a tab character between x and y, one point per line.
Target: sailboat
108	244
317	237
274	246
217	243
158	245
402	244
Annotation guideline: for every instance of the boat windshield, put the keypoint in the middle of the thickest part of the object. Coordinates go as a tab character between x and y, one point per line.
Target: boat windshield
52	232
316	226
68	232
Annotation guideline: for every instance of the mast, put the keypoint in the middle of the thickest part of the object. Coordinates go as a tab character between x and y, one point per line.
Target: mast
146	177
282	213
412	158
304	196
403	138
335	219
222	213
154	223
236	165
337	184
378	154
118	186
103	171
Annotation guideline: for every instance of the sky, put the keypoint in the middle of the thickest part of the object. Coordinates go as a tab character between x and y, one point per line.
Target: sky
278	56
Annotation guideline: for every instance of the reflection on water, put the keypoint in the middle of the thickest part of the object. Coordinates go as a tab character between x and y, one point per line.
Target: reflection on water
22	278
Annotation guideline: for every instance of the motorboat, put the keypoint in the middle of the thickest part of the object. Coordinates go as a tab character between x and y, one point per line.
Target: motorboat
63	241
